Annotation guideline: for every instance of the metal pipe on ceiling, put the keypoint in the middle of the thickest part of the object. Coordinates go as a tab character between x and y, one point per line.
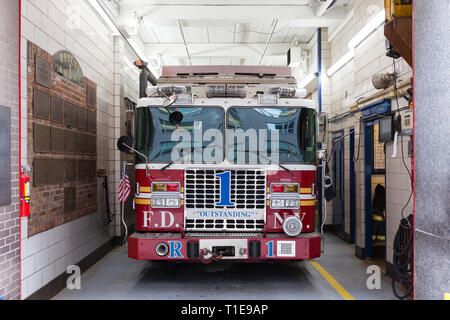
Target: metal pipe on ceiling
184	41
274	25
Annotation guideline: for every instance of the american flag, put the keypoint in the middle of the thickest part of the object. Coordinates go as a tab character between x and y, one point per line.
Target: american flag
124	186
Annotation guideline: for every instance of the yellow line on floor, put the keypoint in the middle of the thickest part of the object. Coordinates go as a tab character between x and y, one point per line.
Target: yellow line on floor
340	289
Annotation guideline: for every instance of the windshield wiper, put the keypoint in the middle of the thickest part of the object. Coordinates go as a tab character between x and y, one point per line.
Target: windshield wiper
282	167
166	166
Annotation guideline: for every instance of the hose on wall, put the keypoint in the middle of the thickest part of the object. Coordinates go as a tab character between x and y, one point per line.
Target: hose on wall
403	258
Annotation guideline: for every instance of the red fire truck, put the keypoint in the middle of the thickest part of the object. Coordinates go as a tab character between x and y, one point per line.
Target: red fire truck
223	198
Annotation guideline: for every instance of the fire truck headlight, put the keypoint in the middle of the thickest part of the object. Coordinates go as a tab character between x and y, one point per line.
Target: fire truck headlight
292	226
158	202
276	203
163	202
175	202
292	203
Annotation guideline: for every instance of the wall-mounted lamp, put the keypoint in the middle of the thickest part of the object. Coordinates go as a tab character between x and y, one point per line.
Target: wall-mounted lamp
373	24
368	29
341	62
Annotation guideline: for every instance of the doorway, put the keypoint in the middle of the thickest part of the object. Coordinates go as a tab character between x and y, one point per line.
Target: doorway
375	195
338	178
352	188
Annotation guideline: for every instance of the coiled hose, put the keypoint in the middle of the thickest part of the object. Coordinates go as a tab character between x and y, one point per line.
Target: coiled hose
403	257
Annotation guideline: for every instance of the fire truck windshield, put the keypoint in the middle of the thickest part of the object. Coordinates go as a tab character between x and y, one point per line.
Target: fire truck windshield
155	133
290	130
254	135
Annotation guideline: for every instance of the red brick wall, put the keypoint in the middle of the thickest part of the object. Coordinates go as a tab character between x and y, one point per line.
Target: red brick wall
47	201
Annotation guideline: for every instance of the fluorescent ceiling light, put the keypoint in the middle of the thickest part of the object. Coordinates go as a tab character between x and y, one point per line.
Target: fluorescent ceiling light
367	30
324	7
360	37
105	17
342	62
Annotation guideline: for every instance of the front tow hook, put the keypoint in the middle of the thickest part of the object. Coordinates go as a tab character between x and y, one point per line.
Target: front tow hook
205	252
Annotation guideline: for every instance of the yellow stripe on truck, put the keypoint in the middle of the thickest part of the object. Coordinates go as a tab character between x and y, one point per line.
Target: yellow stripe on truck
306	190
145	189
308	203
142	201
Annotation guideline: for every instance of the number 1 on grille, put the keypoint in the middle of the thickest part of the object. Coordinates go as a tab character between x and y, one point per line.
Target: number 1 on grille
225	187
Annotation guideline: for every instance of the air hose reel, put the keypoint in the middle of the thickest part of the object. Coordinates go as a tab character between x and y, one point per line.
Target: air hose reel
403	258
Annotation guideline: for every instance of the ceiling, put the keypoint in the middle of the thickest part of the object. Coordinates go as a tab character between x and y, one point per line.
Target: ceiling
208	32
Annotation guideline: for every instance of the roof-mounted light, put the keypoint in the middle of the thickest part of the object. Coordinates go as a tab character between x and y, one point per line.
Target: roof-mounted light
172	90
288	92
151	91
226	90
166	91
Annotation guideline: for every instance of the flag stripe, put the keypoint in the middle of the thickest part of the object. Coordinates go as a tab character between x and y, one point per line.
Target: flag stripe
124	186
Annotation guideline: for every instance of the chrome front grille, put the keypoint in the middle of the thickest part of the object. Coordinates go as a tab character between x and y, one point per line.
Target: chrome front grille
223	234
247	193
224	224
248	189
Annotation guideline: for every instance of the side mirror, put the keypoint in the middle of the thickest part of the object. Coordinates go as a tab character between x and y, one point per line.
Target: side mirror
125	144
176	117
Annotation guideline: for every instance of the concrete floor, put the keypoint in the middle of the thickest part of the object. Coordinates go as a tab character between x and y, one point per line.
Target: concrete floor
118	277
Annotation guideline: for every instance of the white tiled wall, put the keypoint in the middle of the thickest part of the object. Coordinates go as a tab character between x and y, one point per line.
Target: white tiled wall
71	25
398	191
47	255
343	88
354	81
326	99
